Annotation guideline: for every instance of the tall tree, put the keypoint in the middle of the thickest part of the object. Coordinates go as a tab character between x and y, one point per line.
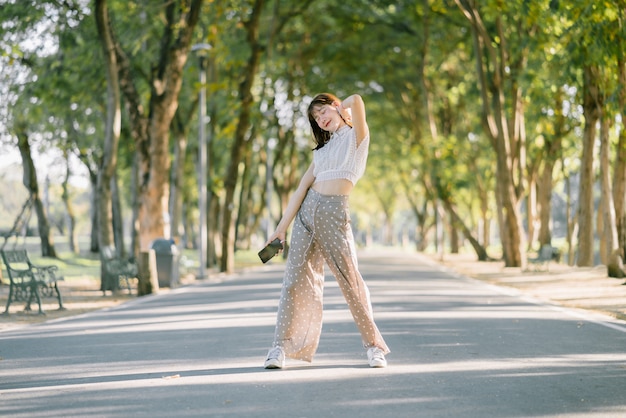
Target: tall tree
555	130
29	36
619	186
69	207
501	57
594	30
551	116
256	45
251	26
106	173
151	127
31	183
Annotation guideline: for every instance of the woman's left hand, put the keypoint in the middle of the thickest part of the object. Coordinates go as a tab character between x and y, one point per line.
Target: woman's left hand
280	235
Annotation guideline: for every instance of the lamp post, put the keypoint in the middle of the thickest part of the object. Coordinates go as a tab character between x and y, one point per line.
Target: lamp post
202	51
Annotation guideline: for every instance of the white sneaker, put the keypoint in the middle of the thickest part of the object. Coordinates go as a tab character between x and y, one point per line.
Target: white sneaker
275	358
376	357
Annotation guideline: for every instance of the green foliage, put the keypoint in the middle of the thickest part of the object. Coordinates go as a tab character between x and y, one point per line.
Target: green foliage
407	59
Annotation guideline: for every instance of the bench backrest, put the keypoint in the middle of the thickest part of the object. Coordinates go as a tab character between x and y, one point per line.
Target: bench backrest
16	259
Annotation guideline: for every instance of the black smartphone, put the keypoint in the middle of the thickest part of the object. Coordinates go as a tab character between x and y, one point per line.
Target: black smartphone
270	250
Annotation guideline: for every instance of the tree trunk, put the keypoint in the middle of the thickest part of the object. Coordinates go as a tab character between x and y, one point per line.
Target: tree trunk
47	244
609	231
440	235
544	192
552	151
493	63
245	198
117	219
177	177
188	222
94	247
484	233
113	126
453	233
602	245
151	127
513	232
87	160
214	245
154	191
572	220
232	173
456	220
591	108
166	85
134	226
213	201
533	210
31	184
69	209
420	229
619	181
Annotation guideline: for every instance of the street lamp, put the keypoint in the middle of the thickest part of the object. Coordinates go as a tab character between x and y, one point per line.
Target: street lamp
202	51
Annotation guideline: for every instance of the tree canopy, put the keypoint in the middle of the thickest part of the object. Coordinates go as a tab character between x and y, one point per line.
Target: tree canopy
481	113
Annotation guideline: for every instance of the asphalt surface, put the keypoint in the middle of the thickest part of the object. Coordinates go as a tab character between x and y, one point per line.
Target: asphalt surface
460	348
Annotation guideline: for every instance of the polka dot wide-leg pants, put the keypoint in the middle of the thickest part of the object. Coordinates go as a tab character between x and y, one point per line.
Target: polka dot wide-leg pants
321	232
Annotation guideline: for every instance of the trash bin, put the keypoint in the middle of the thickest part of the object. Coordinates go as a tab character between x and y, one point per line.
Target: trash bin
167	258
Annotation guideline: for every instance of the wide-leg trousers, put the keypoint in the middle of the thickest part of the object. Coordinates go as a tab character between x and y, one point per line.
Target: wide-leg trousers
321	232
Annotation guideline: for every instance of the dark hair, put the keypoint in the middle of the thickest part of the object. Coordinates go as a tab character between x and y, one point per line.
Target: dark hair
321	136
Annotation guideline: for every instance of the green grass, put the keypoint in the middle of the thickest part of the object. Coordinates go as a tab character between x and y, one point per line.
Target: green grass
86	265
72	266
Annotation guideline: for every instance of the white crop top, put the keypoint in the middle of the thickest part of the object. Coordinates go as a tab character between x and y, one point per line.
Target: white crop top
340	158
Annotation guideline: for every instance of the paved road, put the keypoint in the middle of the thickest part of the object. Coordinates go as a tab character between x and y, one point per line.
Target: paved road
460	348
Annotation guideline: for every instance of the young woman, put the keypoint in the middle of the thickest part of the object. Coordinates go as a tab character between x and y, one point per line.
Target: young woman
322	233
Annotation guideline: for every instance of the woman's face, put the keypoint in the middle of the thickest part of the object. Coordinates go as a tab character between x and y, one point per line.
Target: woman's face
327	118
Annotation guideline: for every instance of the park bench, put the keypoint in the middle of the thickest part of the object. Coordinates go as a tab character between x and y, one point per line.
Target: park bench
29	281
546	254
119	268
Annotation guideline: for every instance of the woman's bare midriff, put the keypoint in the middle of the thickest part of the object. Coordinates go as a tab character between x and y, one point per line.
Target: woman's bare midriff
333	187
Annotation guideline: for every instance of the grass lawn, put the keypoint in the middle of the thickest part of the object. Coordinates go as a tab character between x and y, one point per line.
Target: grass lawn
85	266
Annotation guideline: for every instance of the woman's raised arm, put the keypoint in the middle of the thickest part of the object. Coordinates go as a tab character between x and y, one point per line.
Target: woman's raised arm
357	111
